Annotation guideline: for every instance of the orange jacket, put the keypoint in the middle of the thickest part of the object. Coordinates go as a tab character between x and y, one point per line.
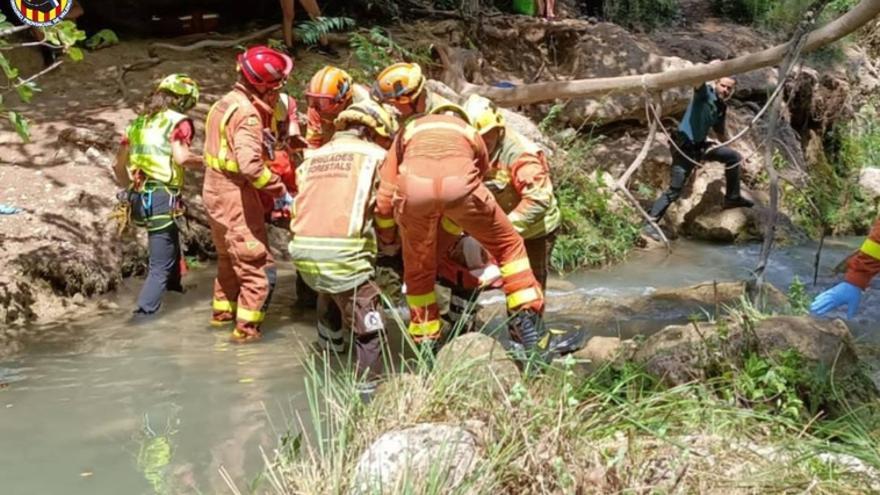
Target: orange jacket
866	263
239	146
433	147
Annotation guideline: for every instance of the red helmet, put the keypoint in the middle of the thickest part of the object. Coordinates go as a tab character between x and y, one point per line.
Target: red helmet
264	68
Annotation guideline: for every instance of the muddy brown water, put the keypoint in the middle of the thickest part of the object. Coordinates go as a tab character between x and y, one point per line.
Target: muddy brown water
104	406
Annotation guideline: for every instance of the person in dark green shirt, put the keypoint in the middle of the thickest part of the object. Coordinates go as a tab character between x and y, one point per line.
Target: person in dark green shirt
706	112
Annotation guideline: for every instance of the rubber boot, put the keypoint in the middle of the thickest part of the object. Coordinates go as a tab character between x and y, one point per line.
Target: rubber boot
222	318
246	332
527	328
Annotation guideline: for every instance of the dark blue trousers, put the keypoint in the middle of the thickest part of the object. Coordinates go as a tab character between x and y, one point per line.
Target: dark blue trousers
164	272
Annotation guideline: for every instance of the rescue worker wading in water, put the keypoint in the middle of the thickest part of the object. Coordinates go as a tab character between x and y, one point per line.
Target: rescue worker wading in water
150	163
862	267
434	171
334	243
238	169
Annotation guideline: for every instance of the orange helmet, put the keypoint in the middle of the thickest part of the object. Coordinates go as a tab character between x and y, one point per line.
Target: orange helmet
401	83
329	90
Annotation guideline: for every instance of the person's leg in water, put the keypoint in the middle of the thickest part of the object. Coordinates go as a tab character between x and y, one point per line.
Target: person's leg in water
164	270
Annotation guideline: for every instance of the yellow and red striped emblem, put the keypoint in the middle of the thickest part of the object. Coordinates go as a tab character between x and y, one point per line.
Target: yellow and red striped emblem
39	18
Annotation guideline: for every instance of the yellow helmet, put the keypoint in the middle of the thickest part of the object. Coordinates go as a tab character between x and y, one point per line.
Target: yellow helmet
332	83
401	82
451	108
370	114
484	114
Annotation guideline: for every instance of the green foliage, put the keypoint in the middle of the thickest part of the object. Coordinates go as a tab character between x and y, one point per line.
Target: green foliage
798	297
550	121
375	49
772	384
63	35
832	199
102	39
310	32
776	15
594	230
644	14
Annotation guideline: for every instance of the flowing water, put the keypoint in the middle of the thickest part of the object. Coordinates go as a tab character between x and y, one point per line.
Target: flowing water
104	406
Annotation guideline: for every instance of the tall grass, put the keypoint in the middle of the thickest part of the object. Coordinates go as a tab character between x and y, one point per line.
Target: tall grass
618	430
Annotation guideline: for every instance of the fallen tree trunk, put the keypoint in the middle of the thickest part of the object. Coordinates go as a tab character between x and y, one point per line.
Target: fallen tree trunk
846	24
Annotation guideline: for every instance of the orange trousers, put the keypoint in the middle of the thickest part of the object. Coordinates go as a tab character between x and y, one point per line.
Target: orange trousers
245	268
424	209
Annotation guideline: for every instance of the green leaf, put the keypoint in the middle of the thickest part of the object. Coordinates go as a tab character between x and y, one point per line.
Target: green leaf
102	39
10	71
75	54
26	91
21	125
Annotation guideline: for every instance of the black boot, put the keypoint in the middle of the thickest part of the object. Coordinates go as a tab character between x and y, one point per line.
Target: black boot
737	202
527	329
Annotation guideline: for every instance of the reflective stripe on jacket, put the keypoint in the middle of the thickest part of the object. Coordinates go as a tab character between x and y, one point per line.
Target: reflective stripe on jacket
519	177
865	265
232	113
150	147
334	244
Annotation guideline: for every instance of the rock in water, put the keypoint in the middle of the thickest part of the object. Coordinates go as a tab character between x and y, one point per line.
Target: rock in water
720	225
869	181
435	456
480	363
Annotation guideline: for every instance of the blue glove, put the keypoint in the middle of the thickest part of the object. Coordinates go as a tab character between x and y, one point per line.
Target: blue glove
835	297
283	202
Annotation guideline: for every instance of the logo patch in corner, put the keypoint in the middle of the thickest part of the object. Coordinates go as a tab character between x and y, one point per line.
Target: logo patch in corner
41	13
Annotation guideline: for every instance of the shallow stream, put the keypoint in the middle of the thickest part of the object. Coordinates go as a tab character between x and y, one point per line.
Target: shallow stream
102	406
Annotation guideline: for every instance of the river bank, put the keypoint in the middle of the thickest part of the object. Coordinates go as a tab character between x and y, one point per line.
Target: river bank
98	383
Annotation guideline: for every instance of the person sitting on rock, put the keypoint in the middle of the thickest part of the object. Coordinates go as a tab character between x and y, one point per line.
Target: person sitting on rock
862	267
150	163
707	111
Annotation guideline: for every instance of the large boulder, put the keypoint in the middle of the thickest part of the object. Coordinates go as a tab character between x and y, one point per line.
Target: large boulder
479	363
683	353
427	456
869	182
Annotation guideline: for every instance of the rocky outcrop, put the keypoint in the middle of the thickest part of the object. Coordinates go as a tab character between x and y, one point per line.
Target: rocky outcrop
435	457
869	182
684	353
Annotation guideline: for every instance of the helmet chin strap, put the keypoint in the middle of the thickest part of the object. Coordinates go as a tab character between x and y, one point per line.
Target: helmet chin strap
256	98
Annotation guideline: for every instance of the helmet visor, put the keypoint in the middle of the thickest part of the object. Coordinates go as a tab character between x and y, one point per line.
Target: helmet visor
324	104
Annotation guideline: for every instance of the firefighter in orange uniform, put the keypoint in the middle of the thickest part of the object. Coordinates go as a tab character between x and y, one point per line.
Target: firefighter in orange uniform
238	170
334	242
331	90
432	181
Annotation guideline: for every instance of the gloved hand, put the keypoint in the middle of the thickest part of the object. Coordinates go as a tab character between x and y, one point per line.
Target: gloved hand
283	202
841	294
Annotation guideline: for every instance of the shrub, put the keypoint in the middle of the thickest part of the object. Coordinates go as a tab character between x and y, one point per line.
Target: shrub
832	200
645	14
777	15
594	232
